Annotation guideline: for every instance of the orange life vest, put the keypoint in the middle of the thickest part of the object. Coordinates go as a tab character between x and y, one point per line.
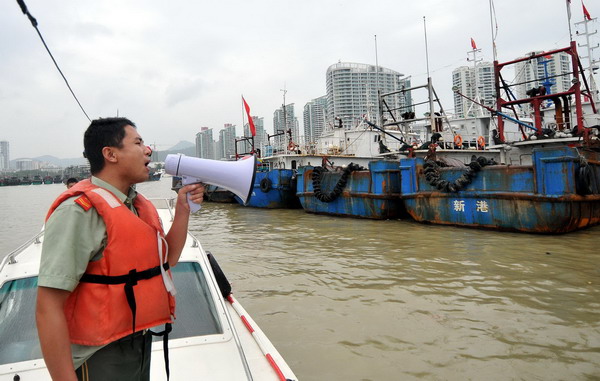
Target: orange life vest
101	312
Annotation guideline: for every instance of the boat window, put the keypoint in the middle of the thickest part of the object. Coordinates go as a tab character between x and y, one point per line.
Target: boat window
18	334
196	312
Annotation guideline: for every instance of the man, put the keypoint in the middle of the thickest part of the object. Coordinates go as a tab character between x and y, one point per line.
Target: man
102	281
71	181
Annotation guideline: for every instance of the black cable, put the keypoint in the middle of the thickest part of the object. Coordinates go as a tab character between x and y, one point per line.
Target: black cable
34	23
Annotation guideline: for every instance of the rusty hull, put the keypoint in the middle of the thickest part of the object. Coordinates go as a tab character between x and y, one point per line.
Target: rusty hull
372	194
541	198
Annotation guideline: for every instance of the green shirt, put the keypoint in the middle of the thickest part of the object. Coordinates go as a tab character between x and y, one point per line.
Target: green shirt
72	238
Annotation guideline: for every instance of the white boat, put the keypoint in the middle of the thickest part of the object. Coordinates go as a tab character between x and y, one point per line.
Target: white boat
213	337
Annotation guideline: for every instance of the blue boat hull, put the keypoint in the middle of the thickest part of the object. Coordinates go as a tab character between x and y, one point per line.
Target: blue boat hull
373	194
545	197
275	189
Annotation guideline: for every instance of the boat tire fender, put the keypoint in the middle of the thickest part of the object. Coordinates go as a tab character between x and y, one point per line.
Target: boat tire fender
265	184
431	170
337	189
585	180
224	285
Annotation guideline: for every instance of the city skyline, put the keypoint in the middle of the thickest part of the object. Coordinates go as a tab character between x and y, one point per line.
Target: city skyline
171	75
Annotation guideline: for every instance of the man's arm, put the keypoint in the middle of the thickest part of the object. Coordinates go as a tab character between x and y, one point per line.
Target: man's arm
178	233
53	333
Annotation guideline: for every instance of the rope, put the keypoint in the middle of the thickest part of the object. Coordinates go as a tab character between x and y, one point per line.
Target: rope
35	25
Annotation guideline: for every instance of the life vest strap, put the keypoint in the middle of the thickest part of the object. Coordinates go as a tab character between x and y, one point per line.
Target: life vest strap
165	335
129	280
132	277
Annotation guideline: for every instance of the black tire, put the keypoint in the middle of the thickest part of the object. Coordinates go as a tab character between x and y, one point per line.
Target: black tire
585	180
265	184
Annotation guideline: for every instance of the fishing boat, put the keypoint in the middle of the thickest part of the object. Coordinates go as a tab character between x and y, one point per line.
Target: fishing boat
274	189
213	336
547	180
280	180
155	174
338	167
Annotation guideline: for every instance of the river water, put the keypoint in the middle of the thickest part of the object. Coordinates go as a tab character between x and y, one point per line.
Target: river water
346	299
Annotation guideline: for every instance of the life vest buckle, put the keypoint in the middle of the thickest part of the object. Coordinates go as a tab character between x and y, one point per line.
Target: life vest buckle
132	279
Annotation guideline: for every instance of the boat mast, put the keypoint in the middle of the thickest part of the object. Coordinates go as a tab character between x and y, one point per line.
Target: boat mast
379	108
429	84
285	125
494	28
592	64
475	81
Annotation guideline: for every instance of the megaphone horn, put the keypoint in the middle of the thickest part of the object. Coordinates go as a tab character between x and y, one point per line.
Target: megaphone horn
235	176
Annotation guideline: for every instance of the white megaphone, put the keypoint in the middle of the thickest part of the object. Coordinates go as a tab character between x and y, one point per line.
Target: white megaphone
235	176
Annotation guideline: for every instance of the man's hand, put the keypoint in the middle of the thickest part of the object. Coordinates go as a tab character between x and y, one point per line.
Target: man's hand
196	192
177	234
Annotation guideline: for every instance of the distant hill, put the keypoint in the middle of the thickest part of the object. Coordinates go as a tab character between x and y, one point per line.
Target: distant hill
161	155
54	161
184	147
184	144
61	162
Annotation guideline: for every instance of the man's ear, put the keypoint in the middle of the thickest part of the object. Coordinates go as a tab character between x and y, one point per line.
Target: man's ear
109	154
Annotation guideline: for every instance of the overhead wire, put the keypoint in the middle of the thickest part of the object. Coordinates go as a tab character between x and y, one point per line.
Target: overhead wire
35	25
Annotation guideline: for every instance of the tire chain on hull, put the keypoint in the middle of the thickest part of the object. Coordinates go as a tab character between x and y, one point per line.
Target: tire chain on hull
433	177
317	175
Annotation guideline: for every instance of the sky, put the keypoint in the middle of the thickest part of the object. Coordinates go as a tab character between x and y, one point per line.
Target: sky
175	66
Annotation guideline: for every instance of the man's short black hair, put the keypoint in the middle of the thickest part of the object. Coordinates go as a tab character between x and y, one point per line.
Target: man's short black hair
103	132
72	180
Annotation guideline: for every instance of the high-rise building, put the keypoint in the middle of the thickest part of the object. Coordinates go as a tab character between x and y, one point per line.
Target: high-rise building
352	92
226	144
314	118
260	140
289	122
550	71
4	155
205	146
476	83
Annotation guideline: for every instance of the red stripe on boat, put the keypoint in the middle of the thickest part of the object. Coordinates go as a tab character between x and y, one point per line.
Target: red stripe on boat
247	324
275	367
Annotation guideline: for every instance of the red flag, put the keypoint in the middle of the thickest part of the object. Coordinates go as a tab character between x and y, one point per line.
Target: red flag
250	121
473	44
586	14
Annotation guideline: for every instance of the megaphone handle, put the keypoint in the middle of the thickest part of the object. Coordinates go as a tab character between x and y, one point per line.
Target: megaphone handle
186	180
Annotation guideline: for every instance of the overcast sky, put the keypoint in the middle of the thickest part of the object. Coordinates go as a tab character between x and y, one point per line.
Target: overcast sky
175	66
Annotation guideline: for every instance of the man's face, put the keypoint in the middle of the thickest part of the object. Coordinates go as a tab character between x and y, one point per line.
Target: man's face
133	157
